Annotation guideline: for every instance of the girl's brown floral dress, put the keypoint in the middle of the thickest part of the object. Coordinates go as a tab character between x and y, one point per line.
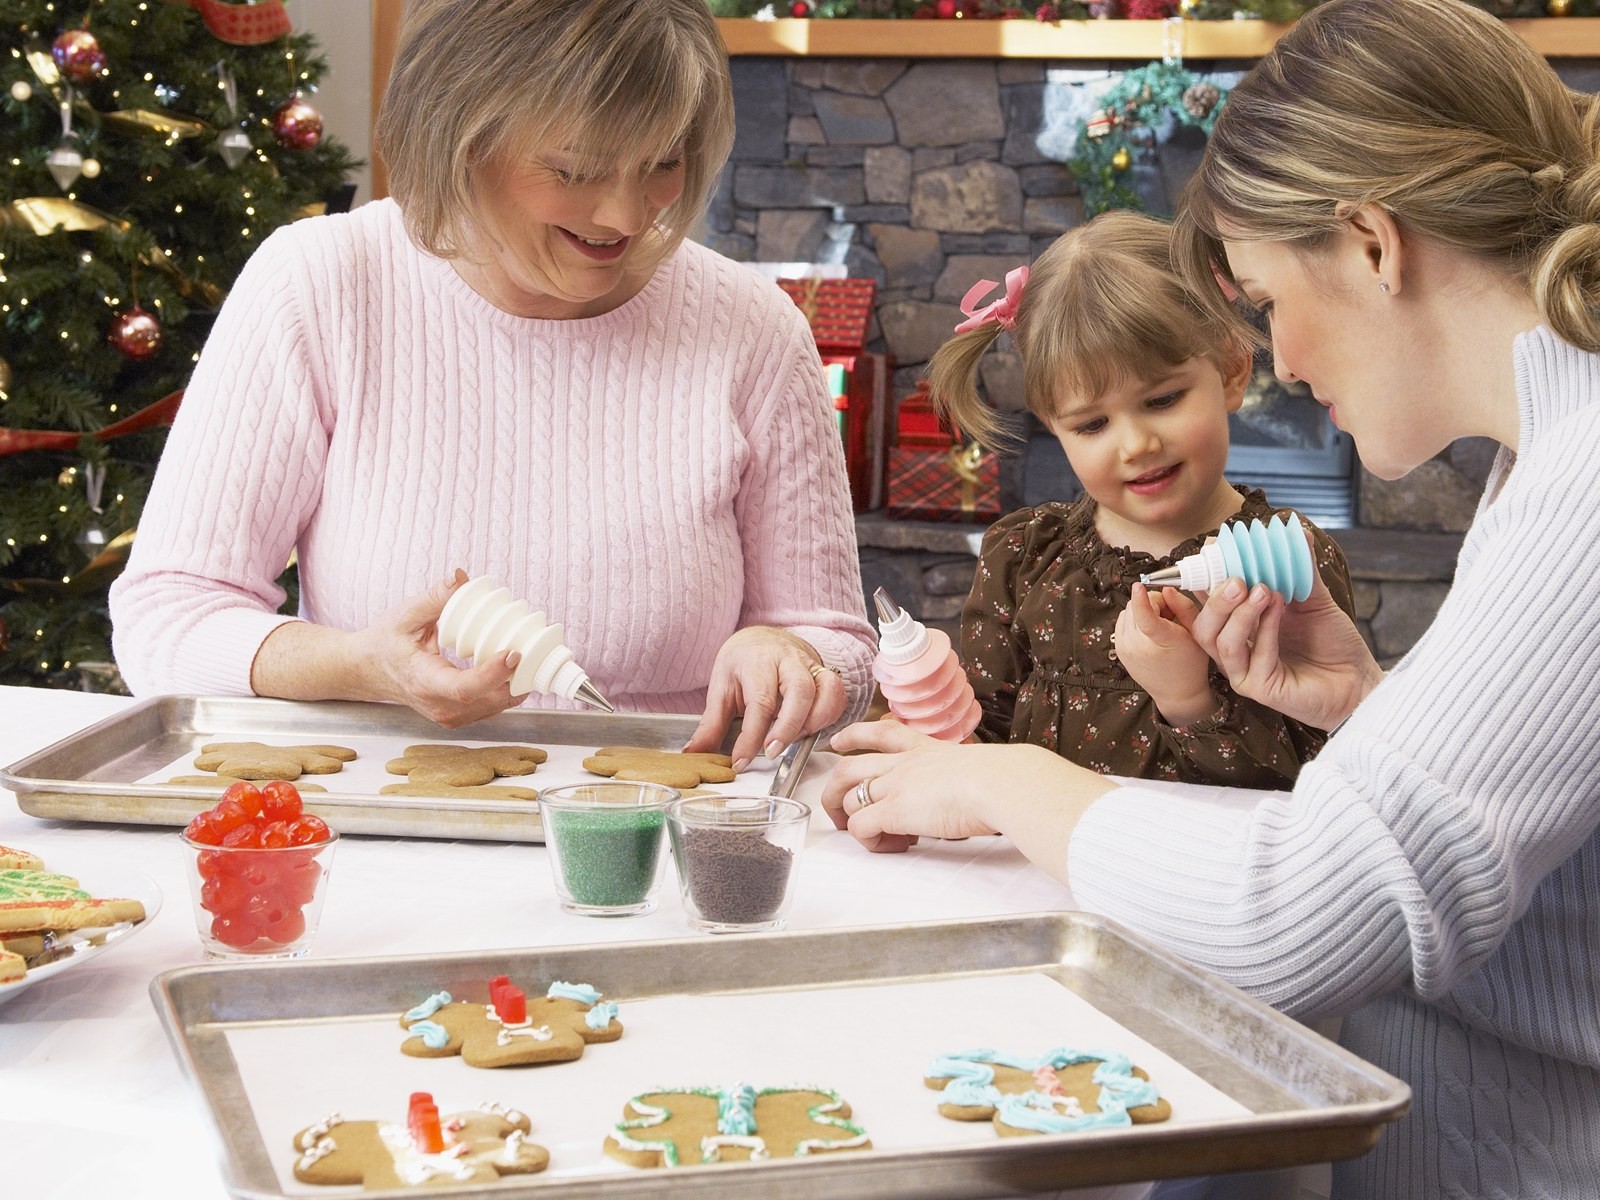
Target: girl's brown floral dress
1036	642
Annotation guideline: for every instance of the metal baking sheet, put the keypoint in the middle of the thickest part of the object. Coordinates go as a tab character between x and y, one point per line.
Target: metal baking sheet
1307	1100
93	775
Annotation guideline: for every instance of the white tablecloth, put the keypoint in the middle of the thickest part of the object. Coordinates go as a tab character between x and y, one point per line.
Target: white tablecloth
92	1103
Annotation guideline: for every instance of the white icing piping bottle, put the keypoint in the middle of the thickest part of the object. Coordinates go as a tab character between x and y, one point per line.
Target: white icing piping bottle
920	676
1275	554
482	619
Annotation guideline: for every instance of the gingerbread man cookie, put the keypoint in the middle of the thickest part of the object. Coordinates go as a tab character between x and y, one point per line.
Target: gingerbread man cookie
737	1123
477	1146
224	782
1061	1091
672	768
257	760
435	765
436	790
511	1030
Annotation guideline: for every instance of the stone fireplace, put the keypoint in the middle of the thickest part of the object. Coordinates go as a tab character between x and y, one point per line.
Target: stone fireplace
928	175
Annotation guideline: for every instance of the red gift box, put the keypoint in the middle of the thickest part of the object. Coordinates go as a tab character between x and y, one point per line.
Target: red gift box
838	310
934	475
863	422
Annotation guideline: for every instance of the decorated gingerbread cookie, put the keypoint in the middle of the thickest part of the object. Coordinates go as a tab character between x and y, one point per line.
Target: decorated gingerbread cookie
1061	1091
511	1030
673	768
257	760
477	1146
737	1123
434	764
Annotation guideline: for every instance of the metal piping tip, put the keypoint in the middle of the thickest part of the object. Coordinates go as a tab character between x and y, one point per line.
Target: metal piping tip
888	610
1166	577
591	696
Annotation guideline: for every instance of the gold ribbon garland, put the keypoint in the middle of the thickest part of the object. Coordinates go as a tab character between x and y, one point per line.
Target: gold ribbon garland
45	214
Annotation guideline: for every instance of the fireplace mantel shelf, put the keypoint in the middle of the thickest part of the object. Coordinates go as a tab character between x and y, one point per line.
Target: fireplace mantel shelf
1554	37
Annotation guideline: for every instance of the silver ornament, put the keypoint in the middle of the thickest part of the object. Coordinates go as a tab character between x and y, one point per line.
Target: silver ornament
65	165
233	146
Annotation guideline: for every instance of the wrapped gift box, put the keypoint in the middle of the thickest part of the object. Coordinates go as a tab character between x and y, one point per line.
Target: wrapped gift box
838	311
935	475
863	407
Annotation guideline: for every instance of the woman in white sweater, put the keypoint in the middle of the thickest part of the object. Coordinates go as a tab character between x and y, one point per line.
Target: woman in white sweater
1410	195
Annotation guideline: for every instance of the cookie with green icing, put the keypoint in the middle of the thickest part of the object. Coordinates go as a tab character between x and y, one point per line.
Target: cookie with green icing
512	1029
1060	1091
737	1123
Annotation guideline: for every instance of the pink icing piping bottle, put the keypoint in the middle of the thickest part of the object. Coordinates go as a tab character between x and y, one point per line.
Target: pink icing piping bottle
920	676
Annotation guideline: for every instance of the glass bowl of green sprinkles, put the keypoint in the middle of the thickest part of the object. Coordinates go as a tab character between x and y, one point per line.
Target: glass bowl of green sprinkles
604	841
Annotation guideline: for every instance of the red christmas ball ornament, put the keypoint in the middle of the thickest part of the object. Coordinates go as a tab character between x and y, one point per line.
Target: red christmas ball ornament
135	334
78	56
799	9
296	125
1047	12
1151	10
945	9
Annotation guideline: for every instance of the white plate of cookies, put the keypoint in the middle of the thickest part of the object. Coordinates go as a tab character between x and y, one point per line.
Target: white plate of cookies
52	920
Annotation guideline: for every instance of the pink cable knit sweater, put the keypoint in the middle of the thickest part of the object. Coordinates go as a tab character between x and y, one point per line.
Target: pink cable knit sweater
654	478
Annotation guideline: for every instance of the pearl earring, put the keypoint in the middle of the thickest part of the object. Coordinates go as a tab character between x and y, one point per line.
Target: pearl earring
1383	286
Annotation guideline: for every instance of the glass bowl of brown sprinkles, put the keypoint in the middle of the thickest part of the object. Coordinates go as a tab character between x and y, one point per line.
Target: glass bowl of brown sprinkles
735	857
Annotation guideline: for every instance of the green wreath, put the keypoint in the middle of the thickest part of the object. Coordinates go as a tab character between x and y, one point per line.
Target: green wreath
1110	139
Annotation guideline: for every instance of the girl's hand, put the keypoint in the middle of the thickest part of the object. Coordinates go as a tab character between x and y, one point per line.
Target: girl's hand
778	681
400	651
1162	656
1306	659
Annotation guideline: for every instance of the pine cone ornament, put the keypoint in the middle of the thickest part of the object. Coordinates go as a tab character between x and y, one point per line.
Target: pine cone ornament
1199	99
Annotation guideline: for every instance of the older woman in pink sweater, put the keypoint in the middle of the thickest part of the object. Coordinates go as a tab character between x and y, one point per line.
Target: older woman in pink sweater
519	367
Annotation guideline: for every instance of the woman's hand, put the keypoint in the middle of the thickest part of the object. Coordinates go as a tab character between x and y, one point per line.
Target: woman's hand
1162	656
921	787
1305	659
780	685
401	649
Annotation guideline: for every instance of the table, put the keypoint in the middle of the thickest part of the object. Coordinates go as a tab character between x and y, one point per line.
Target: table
92	1102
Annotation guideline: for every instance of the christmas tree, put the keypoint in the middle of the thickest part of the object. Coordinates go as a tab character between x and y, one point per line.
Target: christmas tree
150	146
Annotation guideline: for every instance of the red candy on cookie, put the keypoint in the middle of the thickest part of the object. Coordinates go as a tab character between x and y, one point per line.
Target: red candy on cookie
258	897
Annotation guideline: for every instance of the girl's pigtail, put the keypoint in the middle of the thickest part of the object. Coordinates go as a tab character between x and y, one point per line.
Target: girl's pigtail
953	384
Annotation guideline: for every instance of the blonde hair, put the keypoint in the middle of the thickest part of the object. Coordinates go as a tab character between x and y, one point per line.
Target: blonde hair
1102	306
1431	109
608	81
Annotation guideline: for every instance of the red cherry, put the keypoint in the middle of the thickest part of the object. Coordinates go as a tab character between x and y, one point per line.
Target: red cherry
280	801
203	829
274	835
299	881
246	836
284	925
223	894
245	794
227	816
233	929
307	830
213	863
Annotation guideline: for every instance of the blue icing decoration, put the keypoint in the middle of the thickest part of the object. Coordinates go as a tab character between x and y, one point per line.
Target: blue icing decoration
600	1015
434	1036
971	1080
429	1006
736	1111
581	992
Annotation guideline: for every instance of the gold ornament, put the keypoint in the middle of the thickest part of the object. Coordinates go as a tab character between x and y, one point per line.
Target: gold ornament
1559	8
1187	7
91	168
1122	160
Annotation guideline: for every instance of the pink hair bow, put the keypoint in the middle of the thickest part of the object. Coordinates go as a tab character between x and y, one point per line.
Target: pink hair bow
1003	311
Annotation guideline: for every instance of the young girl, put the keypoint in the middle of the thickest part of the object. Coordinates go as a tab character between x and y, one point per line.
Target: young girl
1064	647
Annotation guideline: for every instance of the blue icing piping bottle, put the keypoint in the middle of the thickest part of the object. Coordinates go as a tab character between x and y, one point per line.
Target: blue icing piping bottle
1275	554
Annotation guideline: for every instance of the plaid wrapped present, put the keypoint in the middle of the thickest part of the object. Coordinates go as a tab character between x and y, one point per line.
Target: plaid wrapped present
933	474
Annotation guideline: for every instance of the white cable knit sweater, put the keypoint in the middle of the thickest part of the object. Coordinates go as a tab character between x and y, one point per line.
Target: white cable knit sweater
1435	873
653	478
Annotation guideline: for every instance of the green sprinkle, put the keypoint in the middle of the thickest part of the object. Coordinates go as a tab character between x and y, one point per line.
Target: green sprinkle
607	859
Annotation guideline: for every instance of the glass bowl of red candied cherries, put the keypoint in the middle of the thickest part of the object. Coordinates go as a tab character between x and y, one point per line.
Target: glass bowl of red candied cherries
259	872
